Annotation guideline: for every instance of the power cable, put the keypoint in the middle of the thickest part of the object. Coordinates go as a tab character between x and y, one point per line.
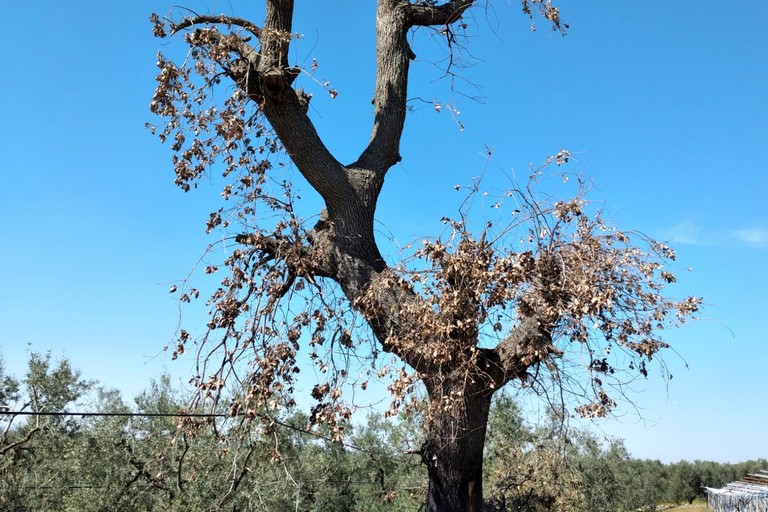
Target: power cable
115	414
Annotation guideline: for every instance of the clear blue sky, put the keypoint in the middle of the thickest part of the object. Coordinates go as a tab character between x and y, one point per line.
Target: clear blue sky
665	105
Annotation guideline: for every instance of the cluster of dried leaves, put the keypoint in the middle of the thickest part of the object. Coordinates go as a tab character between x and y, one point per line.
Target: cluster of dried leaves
249	336
597	292
550	12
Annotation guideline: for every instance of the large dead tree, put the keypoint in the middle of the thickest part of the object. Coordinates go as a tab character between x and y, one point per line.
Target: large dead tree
469	312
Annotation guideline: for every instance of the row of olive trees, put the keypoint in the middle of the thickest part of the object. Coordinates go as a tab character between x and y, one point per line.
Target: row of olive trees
553	468
612	480
144	462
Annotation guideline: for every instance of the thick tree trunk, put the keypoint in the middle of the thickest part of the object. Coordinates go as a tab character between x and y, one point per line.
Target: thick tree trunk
342	245
453	451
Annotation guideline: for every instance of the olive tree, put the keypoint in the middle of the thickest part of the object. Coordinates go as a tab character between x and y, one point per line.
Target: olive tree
527	300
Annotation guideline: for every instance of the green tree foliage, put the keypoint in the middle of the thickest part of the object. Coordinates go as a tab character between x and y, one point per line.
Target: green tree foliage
527	469
116	463
9	388
685	482
642	484
33	450
153	463
600	469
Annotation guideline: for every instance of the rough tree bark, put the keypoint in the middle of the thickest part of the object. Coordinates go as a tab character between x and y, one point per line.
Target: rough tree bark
454	448
453	451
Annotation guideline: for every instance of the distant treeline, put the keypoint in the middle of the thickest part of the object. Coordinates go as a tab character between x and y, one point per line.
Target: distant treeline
152	463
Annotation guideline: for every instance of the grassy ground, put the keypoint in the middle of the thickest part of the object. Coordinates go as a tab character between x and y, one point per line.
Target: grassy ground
696	507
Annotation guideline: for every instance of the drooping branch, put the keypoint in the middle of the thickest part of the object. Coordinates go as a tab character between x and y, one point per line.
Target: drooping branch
264	75
298	257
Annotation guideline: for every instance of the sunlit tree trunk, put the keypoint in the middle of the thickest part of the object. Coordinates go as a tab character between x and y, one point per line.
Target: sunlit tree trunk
453	451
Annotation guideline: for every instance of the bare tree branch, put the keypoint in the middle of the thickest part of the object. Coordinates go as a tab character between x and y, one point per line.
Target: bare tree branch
307	150
527	345
445	14
221	19
392	61
265	77
286	109
393	56
12	446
